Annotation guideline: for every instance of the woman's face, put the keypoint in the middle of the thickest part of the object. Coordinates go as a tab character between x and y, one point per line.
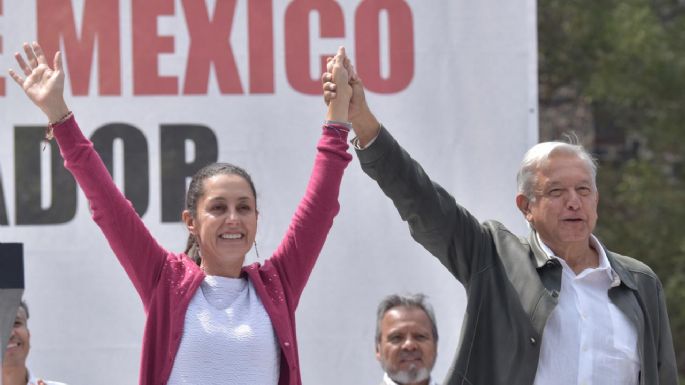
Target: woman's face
225	223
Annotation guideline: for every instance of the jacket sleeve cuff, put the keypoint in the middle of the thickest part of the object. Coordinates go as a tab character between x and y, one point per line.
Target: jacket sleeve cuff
377	148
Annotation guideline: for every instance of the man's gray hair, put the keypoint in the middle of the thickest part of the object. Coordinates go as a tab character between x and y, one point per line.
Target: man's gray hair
526	176
24	306
417	301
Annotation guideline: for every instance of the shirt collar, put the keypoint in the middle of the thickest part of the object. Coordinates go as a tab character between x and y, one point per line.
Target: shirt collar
388	381
604	264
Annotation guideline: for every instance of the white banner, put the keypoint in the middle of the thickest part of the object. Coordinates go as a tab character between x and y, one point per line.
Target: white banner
165	86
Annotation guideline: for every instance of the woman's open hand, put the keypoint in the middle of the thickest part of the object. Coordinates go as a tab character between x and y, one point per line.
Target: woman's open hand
42	84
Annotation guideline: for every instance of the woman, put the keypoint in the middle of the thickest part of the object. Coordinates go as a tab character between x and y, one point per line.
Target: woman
213	321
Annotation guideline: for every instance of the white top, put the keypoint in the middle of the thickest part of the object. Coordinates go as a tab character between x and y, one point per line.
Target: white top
587	339
227	337
388	381
33	380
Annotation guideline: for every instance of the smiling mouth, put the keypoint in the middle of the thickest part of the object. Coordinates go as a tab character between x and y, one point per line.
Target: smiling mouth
13	345
231	236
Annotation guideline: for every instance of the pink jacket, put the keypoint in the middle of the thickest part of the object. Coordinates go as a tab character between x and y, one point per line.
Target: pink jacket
167	281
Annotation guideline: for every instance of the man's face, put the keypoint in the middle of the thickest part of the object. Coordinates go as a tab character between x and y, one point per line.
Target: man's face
564	212
407	348
18	346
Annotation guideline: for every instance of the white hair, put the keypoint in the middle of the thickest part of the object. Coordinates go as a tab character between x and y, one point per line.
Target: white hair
409	376
526	176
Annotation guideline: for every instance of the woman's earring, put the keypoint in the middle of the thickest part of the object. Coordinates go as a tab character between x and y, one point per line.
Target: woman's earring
255	249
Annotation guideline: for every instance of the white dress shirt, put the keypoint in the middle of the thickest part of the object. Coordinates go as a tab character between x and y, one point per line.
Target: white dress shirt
388	381
587	339
33	380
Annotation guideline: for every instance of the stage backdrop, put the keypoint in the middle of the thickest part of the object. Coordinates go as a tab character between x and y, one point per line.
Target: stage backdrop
164	86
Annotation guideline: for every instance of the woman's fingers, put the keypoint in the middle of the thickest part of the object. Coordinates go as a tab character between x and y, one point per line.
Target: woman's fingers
329	64
30	56
329	86
18	79
22	64
40	55
35	64
327	77
58	61
340	57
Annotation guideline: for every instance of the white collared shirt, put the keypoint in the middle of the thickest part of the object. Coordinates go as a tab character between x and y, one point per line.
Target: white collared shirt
587	339
388	381
33	380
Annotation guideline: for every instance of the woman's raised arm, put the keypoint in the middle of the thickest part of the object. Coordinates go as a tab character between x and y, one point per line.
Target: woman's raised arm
138	252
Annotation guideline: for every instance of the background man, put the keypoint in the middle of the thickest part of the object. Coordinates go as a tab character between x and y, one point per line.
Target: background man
14	370
603	314
406	340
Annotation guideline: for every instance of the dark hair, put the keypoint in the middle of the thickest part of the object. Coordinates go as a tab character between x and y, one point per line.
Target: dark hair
24	306
417	301
196	191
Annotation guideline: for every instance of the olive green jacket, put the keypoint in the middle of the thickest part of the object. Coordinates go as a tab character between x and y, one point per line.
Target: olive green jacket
512	286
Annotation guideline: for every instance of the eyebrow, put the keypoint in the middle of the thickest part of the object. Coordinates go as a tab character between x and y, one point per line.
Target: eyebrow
222	199
552	184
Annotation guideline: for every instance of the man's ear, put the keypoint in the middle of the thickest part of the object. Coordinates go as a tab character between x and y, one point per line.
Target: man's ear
378	352
189	221
523	203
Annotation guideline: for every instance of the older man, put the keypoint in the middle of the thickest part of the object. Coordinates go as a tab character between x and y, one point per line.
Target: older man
14	370
554	308
406	340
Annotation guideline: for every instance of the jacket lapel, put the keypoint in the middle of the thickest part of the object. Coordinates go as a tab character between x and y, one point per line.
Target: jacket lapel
530	272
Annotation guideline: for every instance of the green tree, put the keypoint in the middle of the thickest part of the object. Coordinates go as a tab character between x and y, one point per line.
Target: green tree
614	72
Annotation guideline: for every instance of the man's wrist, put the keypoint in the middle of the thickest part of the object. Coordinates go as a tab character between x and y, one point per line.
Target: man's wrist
366	127
365	122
